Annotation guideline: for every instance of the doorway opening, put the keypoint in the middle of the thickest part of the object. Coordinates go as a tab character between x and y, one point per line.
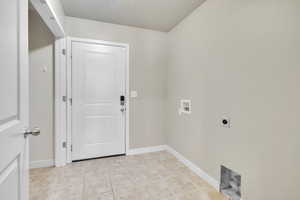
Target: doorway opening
41	86
79	96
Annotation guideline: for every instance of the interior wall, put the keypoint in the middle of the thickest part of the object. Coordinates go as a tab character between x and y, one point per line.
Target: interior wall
41	62
239	59
148	63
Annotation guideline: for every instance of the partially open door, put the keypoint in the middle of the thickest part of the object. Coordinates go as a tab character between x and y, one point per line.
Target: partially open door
13	99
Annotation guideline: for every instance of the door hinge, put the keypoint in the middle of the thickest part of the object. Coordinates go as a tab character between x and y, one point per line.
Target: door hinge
64	145
64	51
71	147
71	101
64	98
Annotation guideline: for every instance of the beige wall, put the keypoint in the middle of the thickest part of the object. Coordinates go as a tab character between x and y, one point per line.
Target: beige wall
148	63
241	59
231	57
41	56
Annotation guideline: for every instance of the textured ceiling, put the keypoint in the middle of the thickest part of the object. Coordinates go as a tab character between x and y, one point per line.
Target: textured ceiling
160	15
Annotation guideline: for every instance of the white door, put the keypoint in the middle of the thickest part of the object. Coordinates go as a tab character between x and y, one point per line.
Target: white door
13	99
98	82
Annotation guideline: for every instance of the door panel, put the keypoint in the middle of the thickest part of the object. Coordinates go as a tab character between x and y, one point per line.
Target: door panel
13	99
9	49
9	181
98	80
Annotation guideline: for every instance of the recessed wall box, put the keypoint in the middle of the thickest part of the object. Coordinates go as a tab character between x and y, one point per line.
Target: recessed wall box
226	122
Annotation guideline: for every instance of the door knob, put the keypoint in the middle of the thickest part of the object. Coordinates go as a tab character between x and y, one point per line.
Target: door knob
35	132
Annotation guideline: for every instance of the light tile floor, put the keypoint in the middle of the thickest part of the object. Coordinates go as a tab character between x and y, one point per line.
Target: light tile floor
153	176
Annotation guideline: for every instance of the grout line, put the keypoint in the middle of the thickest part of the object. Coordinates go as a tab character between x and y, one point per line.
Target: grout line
111	185
83	187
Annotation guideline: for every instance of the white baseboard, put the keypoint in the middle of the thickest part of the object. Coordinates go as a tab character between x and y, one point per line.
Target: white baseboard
146	150
41	164
213	182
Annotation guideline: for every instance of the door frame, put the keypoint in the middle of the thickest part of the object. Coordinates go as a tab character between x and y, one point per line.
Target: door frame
63	96
60	104
48	15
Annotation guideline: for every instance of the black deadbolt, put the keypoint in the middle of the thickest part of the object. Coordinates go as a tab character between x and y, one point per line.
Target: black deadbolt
122	98
225	121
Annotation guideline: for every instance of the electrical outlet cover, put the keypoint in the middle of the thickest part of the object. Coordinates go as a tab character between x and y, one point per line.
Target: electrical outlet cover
185	106
133	94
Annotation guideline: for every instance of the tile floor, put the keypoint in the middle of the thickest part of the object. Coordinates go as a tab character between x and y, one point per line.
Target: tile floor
153	176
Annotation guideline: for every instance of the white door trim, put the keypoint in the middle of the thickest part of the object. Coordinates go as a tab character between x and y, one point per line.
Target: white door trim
47	13
60	107
63	80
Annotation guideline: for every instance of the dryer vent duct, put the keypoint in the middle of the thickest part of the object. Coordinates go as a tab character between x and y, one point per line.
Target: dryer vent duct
230	184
